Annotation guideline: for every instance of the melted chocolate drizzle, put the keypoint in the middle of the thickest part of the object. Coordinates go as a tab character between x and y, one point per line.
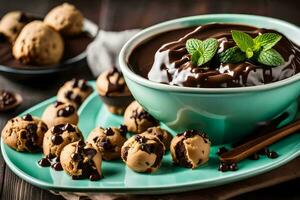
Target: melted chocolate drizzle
140	115
114	87
172	63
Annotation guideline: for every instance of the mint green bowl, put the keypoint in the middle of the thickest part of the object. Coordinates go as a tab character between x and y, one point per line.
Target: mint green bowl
225	114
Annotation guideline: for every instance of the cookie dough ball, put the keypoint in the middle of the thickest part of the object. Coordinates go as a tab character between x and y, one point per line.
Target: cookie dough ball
109	141
60	113
24	133
82	160
74	91
113	91
163	135
12	23
38	44
190	149
59	136
66	19
143	153
137	119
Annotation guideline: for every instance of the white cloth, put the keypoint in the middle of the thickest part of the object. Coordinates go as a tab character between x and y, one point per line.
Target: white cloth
103	52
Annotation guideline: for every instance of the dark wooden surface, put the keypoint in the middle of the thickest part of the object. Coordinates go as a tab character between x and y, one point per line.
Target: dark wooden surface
119	15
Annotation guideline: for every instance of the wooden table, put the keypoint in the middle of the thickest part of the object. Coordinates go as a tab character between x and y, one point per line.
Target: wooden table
119	15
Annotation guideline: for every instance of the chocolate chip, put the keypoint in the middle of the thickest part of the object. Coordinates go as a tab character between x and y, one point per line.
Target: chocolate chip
107	146
31	128
44	162
69	127
77	157
82	84
57	129
222	150
74	82
95	139
57	166
23	18
109	132
140	139
77	99
23	135
94	177
264	151
90	152
272	154
65	112
57	139
223	167
68	94
27	117
233	167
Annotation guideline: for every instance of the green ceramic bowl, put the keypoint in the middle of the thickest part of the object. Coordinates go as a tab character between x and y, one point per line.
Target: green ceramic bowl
225	114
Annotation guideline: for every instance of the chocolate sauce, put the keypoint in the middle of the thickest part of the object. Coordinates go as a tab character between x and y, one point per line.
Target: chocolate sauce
181	157
74	45
7	99
192	133
164	59
115	87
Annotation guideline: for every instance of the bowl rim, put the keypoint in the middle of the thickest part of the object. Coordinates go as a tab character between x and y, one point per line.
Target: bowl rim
175	23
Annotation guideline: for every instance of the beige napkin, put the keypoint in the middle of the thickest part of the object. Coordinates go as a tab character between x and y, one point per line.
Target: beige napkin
102	54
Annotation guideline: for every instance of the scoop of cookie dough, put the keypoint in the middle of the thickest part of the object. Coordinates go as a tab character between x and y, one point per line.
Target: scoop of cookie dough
38	44
143	153
109	141
137	119
59	136
113	91
66	19
24	133
60	113
190	149
12	23
82	160
74	91
163	135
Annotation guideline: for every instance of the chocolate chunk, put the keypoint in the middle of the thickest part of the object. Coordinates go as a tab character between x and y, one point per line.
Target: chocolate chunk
44	162
65	112
109	132
123	130
222	150
272	155
181	157
223	167
140	139
69	127
95	139
57	129
77	157
27	117
94	177
90	152
57	139
107	146
31	128
57	166
23	135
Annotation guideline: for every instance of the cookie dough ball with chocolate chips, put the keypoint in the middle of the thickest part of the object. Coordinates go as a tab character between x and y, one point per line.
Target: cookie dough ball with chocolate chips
12	23
60	113
113	91
190	149
162	134
143	153
82	160
38	44
137	119
66	19
24	133
59	136
74	91
109	141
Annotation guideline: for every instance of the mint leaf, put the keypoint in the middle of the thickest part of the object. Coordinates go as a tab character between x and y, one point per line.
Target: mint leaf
193	45
270	57
267	40
232	55
249	53
201	51
242	40
210	48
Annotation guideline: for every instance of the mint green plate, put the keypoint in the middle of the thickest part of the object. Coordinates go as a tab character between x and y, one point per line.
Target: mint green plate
119	179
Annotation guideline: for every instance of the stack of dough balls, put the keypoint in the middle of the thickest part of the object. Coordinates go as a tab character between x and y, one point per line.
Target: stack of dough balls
37	42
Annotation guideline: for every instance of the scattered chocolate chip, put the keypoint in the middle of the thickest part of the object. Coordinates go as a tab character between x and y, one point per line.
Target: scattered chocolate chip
74	83
27	117
77	157
82	84
57	166
264	151
57	139
90	152
31	128
94	177
222	150
223	167
68	94
57	130
44	162
272	154
233	167
107	146
109	132
140	139
65	112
